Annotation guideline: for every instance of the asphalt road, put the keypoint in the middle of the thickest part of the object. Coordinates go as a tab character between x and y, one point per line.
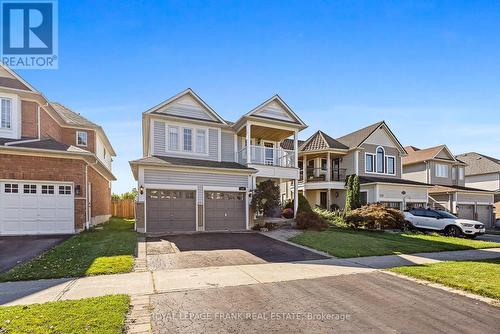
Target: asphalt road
359	303
489	237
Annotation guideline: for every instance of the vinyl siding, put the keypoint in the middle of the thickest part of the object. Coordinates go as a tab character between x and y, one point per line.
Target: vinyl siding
194	179
348	163
484	181
186	106
274	110
159	142
415	172
227	146
445	181
392	151
465	197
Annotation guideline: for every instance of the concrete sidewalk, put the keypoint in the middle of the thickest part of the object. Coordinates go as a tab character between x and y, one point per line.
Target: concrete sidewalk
141	283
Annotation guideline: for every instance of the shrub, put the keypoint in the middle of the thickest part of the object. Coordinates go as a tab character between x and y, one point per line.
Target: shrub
334	218
310	221
266	198
375	216
288	205
304	205
261	225
334	207
287	213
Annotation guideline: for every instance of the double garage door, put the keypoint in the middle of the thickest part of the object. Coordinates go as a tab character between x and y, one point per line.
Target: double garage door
36	208
175	211
483	213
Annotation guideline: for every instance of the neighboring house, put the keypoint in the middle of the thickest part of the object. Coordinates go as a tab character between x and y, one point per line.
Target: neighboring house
438	167
373	153
198	170
55	165
482	172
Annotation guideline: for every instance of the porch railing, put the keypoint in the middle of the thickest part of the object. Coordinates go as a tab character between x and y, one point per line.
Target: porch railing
269	156
319	174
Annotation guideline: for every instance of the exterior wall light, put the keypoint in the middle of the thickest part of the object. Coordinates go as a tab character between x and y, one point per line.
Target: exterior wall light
141	190
78	190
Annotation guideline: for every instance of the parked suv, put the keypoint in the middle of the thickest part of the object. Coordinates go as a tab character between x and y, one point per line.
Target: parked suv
428	219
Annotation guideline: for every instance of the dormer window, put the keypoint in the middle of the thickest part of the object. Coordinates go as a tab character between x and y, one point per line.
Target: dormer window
6	113
81	138
380	160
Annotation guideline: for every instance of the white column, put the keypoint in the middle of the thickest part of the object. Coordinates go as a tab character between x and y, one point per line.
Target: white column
295	197
328	167
248	129
296	147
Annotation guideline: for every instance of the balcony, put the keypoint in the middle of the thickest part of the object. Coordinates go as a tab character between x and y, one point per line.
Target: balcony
267	156
319	174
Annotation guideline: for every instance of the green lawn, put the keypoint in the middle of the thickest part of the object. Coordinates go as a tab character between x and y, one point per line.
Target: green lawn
479	277
93	315
347	243
106	250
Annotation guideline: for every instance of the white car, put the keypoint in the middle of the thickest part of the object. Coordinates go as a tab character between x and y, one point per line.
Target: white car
428	219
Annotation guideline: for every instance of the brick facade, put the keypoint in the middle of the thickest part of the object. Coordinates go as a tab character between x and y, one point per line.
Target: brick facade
69	138
29	116
49	127
38	168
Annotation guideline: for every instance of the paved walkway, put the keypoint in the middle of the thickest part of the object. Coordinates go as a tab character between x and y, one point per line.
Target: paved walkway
143	283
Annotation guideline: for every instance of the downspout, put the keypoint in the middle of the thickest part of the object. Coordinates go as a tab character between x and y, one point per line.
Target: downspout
87	214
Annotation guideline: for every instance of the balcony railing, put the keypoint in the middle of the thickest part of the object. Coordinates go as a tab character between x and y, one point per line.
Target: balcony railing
319	174
269	156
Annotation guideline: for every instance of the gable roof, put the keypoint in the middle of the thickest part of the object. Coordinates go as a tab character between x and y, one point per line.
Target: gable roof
479	163
282	103
71	117
416	155
188	91
15	80
321	141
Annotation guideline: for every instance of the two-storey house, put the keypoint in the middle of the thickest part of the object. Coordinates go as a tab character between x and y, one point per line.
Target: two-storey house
199	170
439	167
483	172
55	165
374	153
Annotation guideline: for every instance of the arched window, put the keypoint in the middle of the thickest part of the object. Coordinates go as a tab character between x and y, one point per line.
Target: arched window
380	160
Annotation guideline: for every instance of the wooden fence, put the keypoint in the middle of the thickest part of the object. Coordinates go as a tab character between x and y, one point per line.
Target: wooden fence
124	208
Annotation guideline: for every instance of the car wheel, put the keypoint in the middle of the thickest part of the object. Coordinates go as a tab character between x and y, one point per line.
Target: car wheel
453	231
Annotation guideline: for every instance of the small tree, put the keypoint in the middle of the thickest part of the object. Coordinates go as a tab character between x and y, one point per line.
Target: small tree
349	201
355	192
266	198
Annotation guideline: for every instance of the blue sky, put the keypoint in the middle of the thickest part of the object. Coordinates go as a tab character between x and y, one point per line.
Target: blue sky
431	69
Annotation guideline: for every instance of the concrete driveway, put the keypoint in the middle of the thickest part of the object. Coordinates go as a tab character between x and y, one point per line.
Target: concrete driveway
361	303
23	248
220	249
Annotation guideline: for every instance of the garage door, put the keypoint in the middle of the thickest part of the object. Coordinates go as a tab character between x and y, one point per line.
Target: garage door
224	211
36	208
170	211
484	213
465	211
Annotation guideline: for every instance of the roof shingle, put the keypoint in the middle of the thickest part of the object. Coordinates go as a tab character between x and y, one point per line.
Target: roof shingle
479	163
356	138
71	117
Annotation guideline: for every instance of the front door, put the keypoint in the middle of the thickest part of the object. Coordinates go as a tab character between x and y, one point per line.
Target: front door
269	153
322	199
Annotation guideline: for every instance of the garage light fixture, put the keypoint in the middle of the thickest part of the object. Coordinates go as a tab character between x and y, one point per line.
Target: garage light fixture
141	190
78	190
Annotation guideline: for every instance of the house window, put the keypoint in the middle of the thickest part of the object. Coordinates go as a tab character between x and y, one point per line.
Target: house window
188	139
173	138
390	165
104	153
81	138
47	189
11	188
29	189
441	170
201	141
6	114
461	173
380	160
64	190
369	163
323	164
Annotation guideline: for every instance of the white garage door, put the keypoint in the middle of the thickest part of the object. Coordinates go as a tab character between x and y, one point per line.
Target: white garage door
36	208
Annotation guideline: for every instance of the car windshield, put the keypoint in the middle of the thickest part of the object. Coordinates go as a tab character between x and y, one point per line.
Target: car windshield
445	214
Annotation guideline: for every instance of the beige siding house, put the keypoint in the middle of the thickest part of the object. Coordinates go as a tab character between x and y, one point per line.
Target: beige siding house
483	172
439	167
198	170
373	153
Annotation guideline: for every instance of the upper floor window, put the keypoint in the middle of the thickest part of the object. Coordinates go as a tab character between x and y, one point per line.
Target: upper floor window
391	165
188	139
441	170
380	160
461	173
81	138
369	162
104	153
201	141
173	138
6	114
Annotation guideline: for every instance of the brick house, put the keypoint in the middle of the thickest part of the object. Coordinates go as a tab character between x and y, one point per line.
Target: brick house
55	165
